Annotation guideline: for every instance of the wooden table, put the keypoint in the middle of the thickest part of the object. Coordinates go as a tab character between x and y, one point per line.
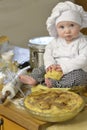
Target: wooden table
21	117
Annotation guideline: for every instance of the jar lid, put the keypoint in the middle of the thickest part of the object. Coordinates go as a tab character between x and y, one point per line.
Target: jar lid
40	40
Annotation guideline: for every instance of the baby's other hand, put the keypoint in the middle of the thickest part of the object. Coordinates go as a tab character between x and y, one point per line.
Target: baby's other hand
54	67
58	68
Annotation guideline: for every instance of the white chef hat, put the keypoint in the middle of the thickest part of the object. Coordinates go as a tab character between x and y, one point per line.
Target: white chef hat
66	11
69	15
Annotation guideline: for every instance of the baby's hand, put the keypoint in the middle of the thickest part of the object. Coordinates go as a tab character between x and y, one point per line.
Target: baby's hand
54	67
49	69
58	68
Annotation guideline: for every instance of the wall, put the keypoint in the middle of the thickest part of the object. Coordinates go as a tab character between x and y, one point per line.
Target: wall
22	20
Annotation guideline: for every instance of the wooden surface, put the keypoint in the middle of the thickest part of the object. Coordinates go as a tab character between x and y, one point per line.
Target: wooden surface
9	125
21	117
84	4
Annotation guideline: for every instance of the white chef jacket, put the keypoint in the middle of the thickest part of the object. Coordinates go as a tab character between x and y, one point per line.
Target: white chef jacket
70	56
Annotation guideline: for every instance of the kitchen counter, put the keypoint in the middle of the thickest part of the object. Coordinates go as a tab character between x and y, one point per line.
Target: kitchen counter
18	114
21	117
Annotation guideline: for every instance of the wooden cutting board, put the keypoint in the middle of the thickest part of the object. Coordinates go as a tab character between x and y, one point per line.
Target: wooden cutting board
21	117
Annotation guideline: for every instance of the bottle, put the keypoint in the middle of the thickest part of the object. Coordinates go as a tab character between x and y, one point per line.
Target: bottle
4	42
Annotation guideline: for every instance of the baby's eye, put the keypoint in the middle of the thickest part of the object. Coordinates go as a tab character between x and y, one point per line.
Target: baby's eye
61	27
72	25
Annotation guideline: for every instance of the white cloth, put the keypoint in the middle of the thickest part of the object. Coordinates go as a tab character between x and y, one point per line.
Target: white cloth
21	55
70	57
58	10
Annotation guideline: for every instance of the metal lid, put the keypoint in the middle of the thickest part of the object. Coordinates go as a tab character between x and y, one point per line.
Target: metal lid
39	42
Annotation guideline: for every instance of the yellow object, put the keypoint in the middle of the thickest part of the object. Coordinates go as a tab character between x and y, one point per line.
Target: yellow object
54	75
3	39
42	87
9	125
53	105
76	89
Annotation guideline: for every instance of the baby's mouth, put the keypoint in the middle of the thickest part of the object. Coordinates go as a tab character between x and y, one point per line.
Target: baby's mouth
68	36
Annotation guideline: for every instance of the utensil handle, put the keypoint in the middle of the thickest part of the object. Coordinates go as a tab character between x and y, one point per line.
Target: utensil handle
4	97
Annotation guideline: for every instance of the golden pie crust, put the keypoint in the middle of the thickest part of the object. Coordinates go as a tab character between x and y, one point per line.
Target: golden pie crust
59	104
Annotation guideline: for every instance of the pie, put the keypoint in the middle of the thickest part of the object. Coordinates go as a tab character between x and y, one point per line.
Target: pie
54	104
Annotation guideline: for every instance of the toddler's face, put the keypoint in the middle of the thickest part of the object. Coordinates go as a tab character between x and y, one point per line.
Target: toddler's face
68	30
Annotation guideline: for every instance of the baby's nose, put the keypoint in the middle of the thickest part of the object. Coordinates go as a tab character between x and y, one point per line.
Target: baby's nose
67	30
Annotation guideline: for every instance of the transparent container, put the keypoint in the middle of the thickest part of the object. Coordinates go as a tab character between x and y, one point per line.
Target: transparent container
72	107
4	42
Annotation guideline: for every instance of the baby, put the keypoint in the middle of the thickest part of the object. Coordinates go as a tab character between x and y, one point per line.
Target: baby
67	52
